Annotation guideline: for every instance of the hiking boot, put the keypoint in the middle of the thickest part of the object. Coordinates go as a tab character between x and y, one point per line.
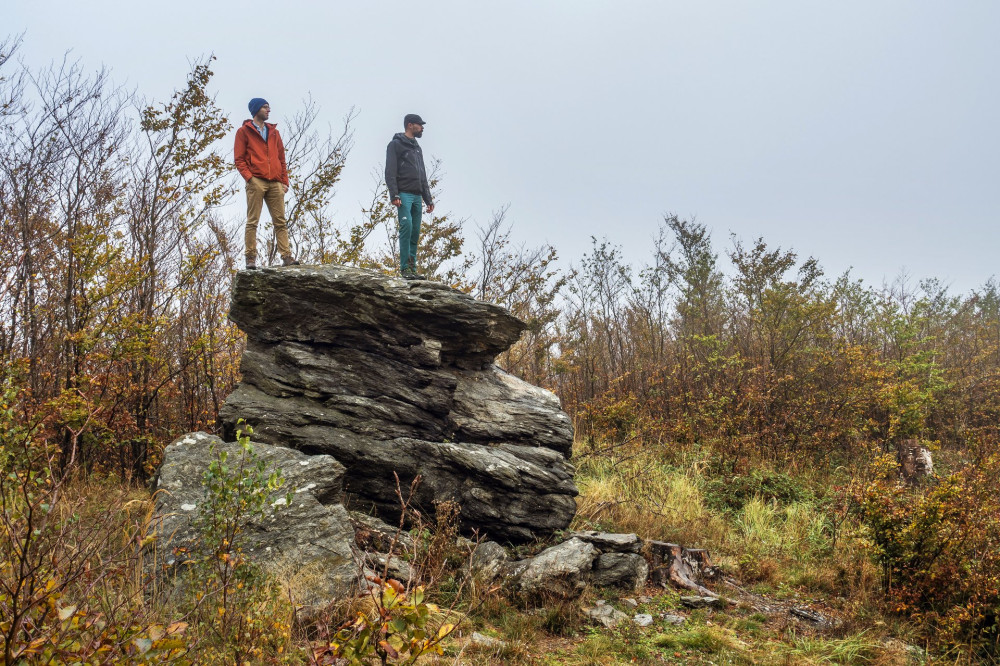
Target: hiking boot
251	263
289	261
408	275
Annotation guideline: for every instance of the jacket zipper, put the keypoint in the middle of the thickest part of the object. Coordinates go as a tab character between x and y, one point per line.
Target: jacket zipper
267	147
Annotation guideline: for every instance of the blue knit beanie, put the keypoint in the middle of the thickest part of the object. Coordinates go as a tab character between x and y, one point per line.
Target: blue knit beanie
255	105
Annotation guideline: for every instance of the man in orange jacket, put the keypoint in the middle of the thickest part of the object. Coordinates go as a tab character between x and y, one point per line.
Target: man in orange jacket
260	159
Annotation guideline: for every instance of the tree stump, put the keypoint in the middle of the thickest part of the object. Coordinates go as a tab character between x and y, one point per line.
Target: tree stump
684	567
915	461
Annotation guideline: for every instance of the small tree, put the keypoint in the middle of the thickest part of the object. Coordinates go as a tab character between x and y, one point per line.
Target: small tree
235	600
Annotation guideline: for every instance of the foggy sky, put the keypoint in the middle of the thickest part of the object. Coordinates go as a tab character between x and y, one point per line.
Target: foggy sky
863	133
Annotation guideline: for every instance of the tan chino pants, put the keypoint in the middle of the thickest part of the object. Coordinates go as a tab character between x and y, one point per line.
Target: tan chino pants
271	192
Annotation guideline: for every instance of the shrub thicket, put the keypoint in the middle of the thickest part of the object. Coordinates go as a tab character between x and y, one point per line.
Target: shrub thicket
939	549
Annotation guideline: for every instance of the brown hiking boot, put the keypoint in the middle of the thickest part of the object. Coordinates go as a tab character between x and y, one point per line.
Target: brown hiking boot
251	263
289	261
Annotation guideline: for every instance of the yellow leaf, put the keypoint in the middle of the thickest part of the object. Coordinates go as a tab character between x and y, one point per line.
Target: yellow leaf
445	630
66	612
177	628
169	644
389	650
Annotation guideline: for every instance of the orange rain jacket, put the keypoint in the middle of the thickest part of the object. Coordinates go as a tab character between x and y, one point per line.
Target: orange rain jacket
256	158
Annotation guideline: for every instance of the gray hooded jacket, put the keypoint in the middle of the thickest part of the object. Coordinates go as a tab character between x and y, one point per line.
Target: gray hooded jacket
404	168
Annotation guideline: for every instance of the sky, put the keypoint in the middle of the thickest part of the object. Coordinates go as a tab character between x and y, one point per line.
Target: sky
864	133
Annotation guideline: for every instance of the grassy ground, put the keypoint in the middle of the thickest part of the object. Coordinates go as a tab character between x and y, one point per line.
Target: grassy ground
781	541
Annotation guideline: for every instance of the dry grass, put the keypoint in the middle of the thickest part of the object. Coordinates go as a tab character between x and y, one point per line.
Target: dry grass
122	514
654	500
641	495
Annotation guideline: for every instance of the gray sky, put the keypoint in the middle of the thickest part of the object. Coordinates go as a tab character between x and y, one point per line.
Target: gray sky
863	132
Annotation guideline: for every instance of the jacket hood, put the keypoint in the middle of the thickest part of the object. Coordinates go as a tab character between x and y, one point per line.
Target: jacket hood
401	136
249	121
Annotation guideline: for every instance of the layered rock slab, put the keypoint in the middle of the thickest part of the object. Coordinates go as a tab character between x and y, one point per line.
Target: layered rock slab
356	308
393	376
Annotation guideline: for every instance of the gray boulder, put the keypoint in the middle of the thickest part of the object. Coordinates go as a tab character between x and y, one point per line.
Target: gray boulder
701	602
624	570
389	316
642	619
307	544
606	615
564	570
611	542
492	405
489	561
486	642
395	377
559	572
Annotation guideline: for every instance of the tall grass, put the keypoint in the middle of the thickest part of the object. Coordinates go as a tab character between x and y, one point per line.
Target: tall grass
764	541
797	532
641	494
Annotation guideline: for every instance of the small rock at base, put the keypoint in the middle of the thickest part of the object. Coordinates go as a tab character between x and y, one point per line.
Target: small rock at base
606	615
631	603
643	620
700	602
674	619
810	615
486	641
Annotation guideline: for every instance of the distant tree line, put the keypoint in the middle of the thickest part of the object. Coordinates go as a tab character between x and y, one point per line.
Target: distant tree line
116	262
770	358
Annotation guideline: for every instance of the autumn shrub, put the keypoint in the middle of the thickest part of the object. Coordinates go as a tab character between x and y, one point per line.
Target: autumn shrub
73	588
392	625
939	549
615	416
392	621
236	607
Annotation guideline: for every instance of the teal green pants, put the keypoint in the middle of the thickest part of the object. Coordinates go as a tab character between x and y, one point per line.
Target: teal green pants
409	230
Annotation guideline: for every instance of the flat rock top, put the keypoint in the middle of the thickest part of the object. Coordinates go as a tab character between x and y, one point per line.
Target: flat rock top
339	305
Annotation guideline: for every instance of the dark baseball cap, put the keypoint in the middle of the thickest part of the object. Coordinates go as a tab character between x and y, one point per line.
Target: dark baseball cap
412	118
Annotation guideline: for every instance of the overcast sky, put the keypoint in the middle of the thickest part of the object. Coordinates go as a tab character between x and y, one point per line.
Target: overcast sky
863	132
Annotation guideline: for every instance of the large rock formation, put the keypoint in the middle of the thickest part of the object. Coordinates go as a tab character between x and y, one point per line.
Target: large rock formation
393	376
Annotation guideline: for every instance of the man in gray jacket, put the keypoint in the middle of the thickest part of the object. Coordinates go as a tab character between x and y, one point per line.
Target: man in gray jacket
406	178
